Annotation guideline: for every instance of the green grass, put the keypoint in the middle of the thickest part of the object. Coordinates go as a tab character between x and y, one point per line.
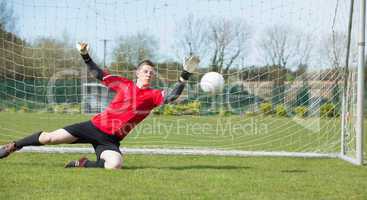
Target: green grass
41	176
240	133
252	133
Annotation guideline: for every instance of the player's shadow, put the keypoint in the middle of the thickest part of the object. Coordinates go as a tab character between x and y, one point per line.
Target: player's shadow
188	167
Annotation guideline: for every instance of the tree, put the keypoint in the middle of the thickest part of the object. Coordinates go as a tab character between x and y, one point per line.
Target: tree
334	51
133	49
191	37
221	43
282	46
48	56
11	64
228	40
7	18
10	43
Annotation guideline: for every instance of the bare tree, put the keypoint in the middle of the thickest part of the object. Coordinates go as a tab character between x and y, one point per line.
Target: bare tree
221	43
304	49
282	46
228	42
334	50
191	37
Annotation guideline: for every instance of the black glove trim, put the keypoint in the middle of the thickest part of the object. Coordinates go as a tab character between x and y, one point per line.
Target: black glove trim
185	75
86	57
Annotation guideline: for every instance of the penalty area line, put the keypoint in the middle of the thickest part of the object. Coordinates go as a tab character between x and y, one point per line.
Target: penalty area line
184	151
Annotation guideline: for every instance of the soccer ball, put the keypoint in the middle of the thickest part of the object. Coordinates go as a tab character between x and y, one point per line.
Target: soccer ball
212	82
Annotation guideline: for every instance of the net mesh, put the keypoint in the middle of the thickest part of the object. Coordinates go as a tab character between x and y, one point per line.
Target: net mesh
283	62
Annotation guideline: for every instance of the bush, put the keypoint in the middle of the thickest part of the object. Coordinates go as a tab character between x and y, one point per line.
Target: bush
158	111
24	109
59	108
50	109
328	110
281	111
301	111
225	113
192	108
65	108
266	108
169	110
250	114
10	109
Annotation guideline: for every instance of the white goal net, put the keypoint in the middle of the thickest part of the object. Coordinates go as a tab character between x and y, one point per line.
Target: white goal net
289	90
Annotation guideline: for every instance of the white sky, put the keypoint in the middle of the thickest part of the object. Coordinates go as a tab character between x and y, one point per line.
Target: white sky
94	20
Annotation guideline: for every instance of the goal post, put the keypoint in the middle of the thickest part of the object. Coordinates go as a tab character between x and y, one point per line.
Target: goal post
95	98
352	118
360	84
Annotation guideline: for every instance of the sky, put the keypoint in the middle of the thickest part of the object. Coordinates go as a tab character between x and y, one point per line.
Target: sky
96	20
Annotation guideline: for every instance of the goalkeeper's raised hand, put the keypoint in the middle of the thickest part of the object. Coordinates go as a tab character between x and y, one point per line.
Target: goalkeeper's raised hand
82	47
189	66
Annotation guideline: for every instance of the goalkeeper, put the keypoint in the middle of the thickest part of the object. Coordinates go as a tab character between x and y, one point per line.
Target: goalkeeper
132	103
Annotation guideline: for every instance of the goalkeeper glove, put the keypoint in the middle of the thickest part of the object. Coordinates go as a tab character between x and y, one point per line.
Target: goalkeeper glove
189	66
82	47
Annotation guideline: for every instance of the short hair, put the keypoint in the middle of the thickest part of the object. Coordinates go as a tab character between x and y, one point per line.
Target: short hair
145	62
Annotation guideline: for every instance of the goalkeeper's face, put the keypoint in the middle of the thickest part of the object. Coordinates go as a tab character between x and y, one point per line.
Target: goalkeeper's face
145	74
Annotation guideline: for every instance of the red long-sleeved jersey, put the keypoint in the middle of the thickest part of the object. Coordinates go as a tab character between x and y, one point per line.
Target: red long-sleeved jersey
130	106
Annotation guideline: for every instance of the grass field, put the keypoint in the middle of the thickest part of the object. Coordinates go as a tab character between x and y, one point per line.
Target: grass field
240	133
42	176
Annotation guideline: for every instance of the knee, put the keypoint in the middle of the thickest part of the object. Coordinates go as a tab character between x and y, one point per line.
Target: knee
113	164
45	138
113	159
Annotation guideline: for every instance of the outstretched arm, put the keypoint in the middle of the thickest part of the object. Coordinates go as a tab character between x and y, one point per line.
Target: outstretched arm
175	93
92	66
189	66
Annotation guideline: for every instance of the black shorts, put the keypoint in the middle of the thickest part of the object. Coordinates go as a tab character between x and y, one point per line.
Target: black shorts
86	132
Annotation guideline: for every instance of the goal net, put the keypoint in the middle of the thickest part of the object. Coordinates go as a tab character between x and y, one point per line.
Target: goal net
289	88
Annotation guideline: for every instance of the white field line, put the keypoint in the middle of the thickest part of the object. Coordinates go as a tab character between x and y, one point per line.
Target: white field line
183	151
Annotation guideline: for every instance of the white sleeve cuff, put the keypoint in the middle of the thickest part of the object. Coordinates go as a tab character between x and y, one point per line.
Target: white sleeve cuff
106	77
